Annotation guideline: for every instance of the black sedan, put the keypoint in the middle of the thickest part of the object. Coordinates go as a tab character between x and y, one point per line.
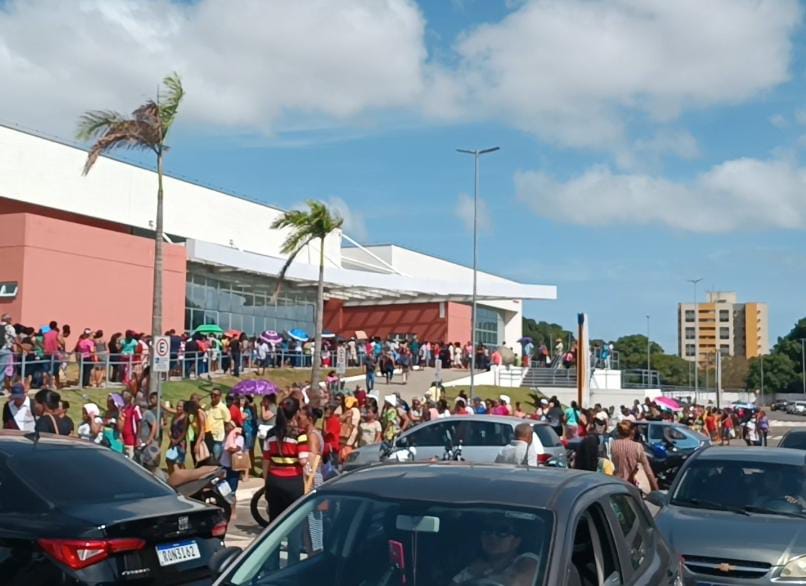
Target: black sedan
73	512
795	439
457	523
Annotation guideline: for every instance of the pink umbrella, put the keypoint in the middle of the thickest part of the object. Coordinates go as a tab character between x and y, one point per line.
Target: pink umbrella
668	403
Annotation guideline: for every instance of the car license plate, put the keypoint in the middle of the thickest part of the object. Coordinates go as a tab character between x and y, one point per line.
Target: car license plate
176	553
223	488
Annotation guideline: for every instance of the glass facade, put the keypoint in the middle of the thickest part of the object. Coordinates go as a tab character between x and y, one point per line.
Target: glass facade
243	302
489	326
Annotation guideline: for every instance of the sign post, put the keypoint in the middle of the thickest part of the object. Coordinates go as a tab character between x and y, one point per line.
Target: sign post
161	364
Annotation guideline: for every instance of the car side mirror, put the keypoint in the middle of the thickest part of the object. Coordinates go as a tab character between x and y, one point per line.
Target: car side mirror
658	498
221	560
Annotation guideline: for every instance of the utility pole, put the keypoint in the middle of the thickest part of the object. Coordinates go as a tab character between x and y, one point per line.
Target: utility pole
803	363
762	379
648	355
696	339
476	154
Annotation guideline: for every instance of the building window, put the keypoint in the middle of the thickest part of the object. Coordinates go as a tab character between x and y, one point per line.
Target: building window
724	350
724	315
245	306
689	333
724	333
689	349
489	327
689	315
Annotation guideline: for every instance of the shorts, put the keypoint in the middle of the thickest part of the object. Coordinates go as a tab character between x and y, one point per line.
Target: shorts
6	359
233	478
726	433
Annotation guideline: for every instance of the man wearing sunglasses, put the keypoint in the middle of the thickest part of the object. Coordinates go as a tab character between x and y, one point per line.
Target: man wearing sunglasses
501	561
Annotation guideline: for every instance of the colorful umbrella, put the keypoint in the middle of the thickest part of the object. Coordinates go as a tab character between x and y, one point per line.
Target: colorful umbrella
233	333
299	334
526	340
271	337
254	387
327	335
208	329
668	403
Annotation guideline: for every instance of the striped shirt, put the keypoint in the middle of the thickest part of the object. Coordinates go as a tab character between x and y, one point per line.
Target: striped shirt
285	458
627	455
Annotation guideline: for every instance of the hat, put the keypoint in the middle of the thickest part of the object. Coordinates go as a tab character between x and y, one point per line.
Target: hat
117	399
375	395
391	400
544	401
92	409
350	402
18	391
87	331
505	399
600	416
476	398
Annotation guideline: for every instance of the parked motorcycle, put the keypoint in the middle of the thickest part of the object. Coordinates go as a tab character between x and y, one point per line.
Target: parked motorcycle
207	484
666	459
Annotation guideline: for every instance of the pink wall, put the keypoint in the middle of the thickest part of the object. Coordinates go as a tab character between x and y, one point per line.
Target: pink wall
459	319
86	276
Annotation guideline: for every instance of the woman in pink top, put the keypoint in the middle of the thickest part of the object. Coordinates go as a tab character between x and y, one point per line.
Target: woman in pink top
85	348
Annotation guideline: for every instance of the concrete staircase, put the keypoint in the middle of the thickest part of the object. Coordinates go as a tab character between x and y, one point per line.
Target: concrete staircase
549	377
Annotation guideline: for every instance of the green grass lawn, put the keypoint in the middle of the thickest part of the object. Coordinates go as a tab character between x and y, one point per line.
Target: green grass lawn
526	397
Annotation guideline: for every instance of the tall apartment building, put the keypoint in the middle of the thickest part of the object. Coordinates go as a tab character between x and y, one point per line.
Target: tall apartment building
725	325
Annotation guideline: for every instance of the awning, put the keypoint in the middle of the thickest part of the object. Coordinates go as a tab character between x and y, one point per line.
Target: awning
365	287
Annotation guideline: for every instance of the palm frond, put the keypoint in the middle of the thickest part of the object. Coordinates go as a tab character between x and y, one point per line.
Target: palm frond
94	123
127	134
169	100
286	265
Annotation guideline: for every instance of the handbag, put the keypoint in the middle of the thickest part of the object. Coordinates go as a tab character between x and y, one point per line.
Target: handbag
200	451
172	455
263	430
241	462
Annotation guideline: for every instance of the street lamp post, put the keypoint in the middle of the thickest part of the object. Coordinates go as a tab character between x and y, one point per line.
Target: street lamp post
476	154
696	339
648	359
803	363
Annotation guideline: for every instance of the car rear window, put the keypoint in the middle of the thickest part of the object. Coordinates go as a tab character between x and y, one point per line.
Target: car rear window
794	440
80	476
547	436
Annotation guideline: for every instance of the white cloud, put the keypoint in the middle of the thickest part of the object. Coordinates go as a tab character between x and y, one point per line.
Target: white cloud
245	64
568	70
648	152
800	116
354	223
464	211
779	121
746	194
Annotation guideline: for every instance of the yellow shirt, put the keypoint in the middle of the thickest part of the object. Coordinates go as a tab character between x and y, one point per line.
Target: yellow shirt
217	416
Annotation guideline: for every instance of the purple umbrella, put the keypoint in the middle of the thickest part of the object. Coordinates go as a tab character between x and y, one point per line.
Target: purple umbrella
254	387
271	337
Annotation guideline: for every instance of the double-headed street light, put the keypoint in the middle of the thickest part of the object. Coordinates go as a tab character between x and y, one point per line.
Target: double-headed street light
696	339
476	154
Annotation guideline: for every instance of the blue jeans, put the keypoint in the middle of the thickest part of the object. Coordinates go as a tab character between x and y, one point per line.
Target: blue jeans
217	450
370	381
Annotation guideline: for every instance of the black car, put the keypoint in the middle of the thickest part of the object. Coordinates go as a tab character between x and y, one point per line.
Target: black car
779	405
73	512
795	439
458	523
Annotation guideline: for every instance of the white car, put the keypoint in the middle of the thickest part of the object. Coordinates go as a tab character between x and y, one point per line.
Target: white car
799	408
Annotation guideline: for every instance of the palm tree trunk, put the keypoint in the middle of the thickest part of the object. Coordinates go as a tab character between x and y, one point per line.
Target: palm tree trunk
317	337
156	308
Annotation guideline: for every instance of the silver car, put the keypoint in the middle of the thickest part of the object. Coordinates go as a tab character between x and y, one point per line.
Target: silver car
482	438
738	516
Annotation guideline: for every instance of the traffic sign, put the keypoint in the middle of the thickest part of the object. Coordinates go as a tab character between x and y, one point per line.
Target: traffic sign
162	354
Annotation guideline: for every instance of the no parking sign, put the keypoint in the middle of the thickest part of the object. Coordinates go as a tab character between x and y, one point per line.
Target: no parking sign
162	354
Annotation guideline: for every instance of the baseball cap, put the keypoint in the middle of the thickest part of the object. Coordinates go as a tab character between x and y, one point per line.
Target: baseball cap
18	390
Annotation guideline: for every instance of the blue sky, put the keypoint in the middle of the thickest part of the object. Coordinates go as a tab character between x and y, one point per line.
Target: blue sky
642	143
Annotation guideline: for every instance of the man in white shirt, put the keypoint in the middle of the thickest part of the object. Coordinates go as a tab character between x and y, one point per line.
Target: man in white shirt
523	450
262	355
17	413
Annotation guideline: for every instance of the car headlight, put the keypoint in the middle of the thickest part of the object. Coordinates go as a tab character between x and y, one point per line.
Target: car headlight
795	569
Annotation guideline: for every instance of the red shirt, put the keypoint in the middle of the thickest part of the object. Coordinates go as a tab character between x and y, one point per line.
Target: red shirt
131	423
332	431
284	456
237	416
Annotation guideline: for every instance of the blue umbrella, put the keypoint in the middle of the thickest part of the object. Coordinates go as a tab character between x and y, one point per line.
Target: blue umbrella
298	334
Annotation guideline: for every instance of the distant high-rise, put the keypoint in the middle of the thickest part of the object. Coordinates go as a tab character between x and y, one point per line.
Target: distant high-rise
726	326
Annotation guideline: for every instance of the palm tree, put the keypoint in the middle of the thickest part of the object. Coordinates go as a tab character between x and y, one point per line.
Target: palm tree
315	223
146	130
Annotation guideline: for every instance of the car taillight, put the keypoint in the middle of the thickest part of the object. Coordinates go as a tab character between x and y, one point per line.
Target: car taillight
220	529
78	553
543	459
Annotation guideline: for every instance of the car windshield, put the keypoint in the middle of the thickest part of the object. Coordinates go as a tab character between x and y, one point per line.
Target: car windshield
347	540
743	487
795	440
83	476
